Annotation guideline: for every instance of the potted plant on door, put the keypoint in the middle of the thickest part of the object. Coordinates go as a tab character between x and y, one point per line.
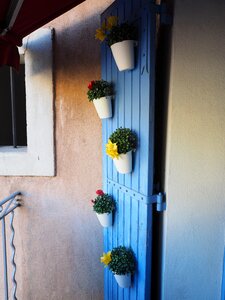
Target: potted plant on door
121	144
100	93
103	205
121	261
121	39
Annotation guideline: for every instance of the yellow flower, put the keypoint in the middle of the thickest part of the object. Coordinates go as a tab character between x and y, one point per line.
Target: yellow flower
106	258
111	150
100	34
104	27
111	21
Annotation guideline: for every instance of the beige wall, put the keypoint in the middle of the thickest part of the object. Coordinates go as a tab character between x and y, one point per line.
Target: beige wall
58	238
195	172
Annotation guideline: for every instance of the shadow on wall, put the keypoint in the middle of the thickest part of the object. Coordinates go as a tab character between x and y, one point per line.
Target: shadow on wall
74	48
78	51
76	62
37	45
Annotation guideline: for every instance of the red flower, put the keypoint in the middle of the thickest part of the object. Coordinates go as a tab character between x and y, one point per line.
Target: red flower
92	202
100	192
90	86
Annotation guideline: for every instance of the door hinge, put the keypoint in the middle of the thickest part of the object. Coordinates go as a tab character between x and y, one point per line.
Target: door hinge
160	200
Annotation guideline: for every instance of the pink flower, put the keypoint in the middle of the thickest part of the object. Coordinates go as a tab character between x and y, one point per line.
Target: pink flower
100	192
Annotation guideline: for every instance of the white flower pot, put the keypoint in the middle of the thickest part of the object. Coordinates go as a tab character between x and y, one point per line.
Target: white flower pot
124	163
103	107
124	281
123	53
105	219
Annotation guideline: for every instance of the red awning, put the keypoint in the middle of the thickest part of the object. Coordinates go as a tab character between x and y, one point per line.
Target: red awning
19	18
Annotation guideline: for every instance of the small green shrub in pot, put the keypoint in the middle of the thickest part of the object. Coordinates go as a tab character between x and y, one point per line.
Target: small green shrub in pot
113	32
121	261
98	89
121	39
103	203
120	145
121	32
125	140
100	92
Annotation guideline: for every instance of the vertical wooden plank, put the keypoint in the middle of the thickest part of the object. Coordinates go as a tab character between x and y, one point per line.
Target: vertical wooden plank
128	124
121	83
142	250
104	124
136	5
111	233
121	234
108	232
128	7
115	120
148	23
135	110
109	127
104	167
134	205
143	150
151	63
128	114
113	236
134	231
128	180
116	230
121	115
144	108
127	232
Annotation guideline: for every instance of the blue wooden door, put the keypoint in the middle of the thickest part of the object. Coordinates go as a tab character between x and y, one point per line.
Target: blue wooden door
133	108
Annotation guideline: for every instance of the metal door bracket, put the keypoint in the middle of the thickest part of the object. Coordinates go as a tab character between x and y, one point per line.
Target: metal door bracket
159	199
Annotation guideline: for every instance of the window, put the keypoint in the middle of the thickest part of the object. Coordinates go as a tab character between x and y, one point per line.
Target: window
34	155
13	107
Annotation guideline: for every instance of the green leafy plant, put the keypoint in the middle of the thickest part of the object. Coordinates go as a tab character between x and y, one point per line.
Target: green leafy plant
112	32
124	139
103	203
98	89
120	260
120	33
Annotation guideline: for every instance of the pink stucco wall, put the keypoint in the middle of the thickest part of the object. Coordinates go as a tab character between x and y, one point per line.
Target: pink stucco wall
58	238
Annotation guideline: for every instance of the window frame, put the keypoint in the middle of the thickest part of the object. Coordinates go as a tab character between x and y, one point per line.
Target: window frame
38	157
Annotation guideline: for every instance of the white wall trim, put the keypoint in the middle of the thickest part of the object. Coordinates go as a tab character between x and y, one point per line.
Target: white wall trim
37	159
